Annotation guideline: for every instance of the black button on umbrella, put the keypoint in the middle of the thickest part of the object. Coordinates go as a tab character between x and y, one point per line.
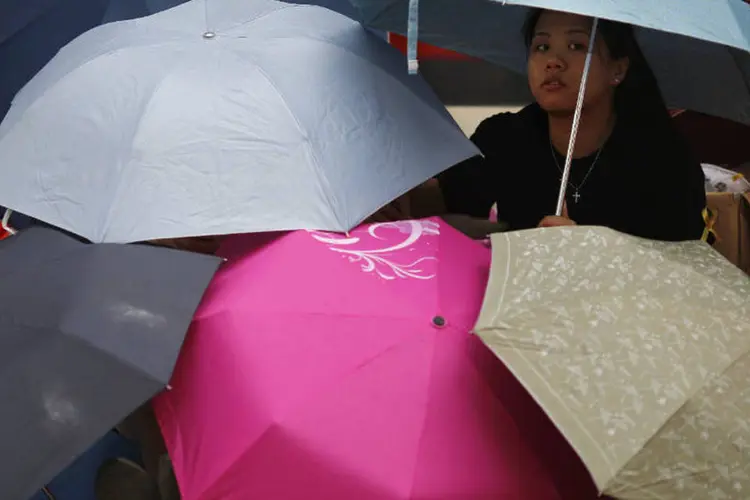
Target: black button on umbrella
88	332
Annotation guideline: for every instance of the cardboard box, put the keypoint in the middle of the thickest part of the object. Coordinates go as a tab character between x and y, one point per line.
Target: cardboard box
730	213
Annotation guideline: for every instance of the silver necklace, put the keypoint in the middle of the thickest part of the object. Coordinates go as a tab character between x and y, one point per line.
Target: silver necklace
577	192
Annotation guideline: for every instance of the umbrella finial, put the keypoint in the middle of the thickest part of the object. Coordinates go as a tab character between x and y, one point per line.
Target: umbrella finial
412	37
5	222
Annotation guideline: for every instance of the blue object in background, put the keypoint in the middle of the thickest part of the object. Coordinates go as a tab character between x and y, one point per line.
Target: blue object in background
77	481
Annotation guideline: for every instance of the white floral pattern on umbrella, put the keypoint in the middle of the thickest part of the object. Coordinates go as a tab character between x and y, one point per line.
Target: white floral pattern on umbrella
380	259
636	349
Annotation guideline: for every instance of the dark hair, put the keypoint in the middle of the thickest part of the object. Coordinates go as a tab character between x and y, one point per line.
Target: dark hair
638	96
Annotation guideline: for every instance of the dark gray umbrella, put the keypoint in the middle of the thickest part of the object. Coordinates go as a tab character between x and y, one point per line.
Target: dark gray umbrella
88	332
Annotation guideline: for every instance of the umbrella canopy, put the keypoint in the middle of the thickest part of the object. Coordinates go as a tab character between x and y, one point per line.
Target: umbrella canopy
636	349
32	31
323	366
697	49
87	334
222	117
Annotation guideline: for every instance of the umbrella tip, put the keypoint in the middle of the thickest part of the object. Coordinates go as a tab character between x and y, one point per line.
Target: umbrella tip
5	223
412	34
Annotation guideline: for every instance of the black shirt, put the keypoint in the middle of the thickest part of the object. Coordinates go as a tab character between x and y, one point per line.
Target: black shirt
643	183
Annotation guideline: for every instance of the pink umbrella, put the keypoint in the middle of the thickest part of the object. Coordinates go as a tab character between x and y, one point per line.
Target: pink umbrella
329	367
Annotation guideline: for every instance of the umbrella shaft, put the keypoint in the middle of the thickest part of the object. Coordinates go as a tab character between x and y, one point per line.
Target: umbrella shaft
576	120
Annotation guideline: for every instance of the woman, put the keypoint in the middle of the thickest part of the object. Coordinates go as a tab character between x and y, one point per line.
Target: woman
631	169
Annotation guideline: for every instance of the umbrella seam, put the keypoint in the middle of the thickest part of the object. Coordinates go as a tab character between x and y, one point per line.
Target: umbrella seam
30	210
735	55
332	384
123	166
29	22
504	286
687	402
112	356
226	31
211	490
374	19
88	61
323	181
43	262
381	71
390	76
580	425
372	317
422	429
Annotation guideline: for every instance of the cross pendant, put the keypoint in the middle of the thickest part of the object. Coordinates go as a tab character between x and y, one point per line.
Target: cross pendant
576	196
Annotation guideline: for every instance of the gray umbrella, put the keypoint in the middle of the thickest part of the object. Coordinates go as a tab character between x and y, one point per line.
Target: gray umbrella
88	332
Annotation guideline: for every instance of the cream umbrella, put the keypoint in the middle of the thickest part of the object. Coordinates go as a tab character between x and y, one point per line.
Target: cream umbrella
636	349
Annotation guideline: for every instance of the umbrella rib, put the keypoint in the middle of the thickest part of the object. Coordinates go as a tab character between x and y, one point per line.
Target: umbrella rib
504	285
30	210
643	489
92	59
250	21
285	313
110	355
28	22
319	172
736	54
382	72
301	404
45	262
420	441
123	168
687	402
571	415
381	13
324	180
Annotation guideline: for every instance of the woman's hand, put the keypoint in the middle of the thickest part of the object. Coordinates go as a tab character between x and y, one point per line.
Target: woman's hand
557	221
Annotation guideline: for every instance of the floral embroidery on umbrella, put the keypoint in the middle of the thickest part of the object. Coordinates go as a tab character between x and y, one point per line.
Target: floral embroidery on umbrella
385	261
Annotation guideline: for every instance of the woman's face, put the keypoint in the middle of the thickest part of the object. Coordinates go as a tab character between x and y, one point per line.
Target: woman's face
555	64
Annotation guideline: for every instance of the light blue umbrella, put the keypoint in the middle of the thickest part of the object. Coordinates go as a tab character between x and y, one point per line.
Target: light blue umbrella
698	49
220	117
